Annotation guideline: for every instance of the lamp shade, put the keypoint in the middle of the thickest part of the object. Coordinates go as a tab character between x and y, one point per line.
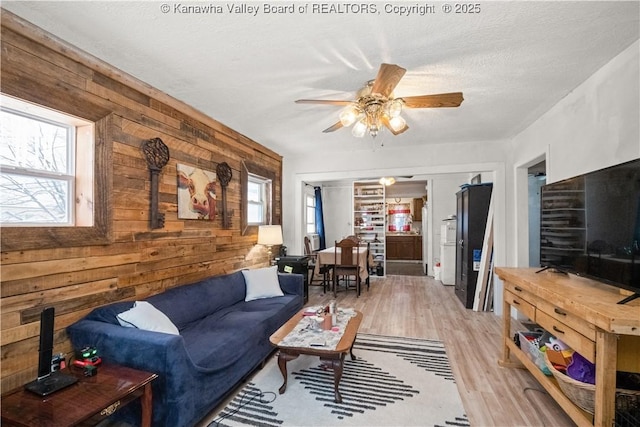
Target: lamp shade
269	235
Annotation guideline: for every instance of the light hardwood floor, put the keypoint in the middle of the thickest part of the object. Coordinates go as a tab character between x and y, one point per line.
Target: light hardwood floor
420	307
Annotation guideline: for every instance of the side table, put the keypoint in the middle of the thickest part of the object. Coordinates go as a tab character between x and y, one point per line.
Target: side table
88	401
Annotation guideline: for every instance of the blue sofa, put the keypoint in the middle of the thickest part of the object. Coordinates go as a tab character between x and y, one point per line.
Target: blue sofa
221	340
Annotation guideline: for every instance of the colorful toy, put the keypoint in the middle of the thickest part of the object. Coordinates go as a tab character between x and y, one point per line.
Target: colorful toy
581	369
557	345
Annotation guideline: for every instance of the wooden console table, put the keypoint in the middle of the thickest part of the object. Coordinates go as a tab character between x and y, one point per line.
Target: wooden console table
582	313
86	402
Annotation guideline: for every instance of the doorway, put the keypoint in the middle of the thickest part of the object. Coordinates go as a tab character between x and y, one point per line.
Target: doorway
537	177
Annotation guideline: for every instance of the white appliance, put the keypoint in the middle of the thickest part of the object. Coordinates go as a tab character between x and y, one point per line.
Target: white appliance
448	252
315	242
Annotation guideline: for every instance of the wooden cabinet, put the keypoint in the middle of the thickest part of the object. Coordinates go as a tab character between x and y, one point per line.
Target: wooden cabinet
418	203
369	217
472	204
404	247
585	315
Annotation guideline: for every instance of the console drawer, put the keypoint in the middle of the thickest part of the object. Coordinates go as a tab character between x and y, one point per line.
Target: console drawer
583	345
519	291
574	322
524	307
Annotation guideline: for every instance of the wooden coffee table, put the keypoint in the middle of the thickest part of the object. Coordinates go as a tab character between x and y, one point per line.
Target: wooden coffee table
332	358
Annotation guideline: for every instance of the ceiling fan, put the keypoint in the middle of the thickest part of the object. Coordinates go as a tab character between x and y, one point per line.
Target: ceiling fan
376	107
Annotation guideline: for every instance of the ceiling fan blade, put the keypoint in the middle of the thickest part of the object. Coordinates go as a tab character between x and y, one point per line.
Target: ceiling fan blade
388	77
453	99
385	121
322	101
333	128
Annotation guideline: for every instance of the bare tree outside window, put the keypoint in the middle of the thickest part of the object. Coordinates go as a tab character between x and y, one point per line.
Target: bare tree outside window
36	170
55	175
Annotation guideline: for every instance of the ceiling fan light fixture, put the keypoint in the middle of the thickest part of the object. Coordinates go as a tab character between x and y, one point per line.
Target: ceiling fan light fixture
349	115
397	123
394	107
376	107
359	129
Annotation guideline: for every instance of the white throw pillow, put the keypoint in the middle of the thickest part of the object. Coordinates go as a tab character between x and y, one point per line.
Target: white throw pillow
145	316
262	283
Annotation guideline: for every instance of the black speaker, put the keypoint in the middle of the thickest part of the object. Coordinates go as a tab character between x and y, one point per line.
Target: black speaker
47	381
46	342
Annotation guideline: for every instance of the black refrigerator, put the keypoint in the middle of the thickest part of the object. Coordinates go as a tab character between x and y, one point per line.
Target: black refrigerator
472	203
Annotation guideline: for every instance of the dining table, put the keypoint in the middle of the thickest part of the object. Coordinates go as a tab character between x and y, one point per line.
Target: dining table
328	257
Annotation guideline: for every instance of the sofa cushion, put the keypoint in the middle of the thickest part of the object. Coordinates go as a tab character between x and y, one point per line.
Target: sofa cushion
189	303
274	312
145	316
262	283
217	341
219	348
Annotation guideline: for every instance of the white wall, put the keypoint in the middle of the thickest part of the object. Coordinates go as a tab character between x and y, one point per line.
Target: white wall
408	189
594	126
337	206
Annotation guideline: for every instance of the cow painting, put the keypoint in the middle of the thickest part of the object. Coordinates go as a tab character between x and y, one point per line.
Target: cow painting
196	193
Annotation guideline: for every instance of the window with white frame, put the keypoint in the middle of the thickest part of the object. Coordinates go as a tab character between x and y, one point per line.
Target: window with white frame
46	166
258	200
310	213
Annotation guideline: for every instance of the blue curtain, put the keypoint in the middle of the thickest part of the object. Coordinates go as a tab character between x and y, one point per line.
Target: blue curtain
319	217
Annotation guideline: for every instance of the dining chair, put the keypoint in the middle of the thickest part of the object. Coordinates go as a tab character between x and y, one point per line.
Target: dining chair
354	238
368	281
346	264
313	261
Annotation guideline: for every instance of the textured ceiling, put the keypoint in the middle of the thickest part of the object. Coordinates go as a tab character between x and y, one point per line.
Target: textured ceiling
512	60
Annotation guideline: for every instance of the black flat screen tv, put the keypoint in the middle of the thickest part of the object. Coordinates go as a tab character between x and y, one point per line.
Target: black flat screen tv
590	226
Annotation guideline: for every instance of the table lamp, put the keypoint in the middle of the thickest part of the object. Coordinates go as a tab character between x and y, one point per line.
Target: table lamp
269	235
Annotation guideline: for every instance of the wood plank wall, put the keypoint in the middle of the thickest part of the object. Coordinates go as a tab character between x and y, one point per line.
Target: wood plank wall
139	262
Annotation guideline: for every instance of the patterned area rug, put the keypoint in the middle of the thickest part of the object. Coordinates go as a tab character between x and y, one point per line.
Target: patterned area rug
393	382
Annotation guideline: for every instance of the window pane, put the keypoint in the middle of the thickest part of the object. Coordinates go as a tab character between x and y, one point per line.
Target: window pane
33	144
255	213
311	215
27	199
254	192
311	228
